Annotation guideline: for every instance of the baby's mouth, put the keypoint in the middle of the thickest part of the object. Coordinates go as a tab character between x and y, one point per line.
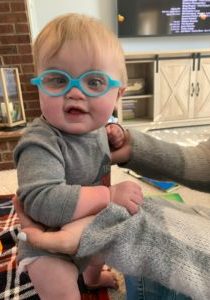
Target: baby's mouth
75	111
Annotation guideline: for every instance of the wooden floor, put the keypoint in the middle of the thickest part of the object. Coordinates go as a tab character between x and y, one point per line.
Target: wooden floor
8	182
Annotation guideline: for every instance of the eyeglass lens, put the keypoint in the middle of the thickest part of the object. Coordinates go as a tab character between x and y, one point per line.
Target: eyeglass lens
54	82
90	83
94	83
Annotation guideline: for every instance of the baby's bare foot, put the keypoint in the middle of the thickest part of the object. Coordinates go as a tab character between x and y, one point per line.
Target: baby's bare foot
107	279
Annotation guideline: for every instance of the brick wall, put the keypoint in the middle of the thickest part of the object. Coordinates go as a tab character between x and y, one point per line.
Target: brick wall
8	141
15	51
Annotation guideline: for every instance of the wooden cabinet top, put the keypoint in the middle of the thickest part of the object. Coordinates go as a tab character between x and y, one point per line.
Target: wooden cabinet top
154	54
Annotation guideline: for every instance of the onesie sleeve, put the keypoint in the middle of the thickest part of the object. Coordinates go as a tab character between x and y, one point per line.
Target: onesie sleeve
46	196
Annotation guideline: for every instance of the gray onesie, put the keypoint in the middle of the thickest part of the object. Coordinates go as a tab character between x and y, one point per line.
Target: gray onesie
52	166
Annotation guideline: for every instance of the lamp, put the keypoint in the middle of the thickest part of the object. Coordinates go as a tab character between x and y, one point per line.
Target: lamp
11	102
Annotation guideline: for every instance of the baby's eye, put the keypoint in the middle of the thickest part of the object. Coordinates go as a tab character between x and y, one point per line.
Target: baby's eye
95	83
55	81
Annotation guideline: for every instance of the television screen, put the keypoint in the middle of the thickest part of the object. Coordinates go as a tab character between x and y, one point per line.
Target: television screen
163	18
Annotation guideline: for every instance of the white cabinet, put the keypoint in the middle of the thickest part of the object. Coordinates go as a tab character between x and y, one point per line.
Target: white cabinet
201	107
173	89
167	91
182	89
137	105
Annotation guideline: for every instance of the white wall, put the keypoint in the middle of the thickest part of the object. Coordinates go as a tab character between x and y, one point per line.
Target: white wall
41	11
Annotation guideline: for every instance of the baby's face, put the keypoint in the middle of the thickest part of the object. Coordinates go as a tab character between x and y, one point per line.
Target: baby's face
75	112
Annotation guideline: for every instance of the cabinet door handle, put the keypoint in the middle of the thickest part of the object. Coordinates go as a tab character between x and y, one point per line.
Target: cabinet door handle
197	89
192	89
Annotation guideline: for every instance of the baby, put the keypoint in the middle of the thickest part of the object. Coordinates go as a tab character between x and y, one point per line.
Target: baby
63	160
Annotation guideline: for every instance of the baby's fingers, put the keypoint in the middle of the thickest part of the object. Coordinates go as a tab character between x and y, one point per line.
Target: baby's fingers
132	207
138	198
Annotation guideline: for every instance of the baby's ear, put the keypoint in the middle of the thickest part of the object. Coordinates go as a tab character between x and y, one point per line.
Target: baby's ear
121	92
119	95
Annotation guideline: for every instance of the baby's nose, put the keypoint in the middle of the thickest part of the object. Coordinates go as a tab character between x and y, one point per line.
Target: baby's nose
75	93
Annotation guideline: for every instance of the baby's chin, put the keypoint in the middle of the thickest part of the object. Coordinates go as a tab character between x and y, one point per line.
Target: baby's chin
77	129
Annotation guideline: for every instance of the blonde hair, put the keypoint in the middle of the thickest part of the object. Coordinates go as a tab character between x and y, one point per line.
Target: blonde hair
90	32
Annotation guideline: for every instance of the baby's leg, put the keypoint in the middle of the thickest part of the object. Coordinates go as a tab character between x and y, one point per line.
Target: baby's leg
97	275
54	278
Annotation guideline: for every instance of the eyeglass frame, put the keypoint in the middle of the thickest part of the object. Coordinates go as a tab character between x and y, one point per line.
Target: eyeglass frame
75	82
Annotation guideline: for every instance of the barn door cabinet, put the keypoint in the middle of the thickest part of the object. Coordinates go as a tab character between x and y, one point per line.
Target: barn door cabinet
201	108
166	90
182	90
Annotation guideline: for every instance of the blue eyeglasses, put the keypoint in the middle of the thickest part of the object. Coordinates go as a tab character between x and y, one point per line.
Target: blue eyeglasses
57	83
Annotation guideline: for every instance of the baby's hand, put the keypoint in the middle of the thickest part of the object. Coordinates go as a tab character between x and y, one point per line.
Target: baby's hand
115	135
127	194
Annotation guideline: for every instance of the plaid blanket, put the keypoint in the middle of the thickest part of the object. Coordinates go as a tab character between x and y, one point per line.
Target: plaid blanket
18	286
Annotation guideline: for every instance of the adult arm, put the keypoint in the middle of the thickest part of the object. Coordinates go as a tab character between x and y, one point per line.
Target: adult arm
154	158
165	241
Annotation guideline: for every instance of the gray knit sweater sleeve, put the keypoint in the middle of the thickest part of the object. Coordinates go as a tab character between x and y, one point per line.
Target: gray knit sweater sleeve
165	241
189	166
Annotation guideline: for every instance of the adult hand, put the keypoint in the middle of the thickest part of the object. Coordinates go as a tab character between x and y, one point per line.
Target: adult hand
66	240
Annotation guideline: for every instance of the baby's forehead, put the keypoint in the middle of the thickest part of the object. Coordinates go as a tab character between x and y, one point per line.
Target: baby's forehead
91	56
